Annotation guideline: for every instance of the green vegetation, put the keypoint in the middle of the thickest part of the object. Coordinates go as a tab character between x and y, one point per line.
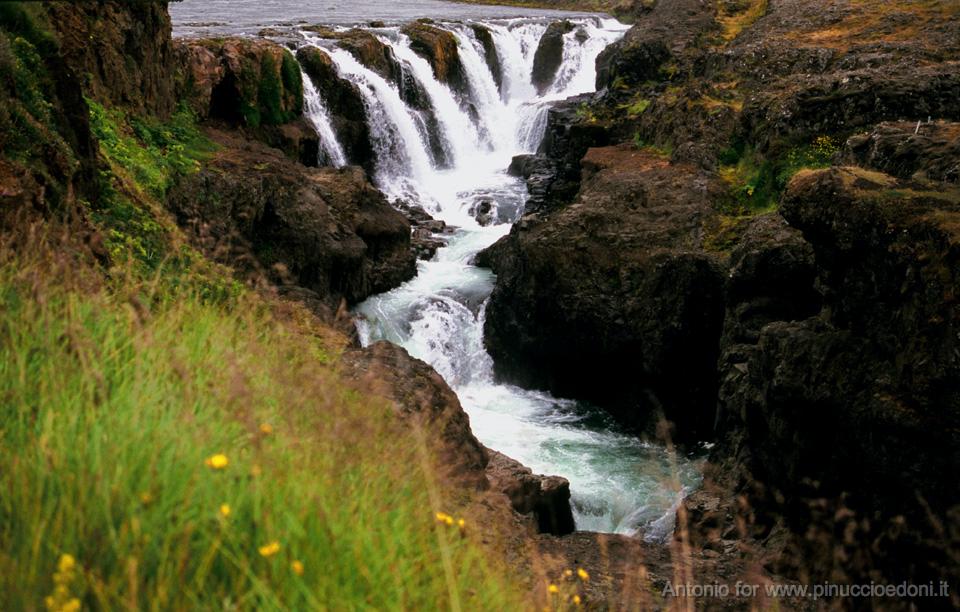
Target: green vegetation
29	121
756	182
160	451
637	107
144	157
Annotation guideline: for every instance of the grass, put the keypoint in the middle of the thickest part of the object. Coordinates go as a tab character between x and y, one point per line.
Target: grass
115	393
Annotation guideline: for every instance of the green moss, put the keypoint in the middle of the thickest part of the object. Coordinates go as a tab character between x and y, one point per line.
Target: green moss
637	108
270	92
292	81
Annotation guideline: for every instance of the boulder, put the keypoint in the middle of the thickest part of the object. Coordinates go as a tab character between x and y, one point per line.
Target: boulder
549	55
612	299
327	230
546	498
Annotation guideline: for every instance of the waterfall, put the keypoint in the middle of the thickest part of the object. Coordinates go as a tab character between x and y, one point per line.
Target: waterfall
402	161
331	152
459	135
617	482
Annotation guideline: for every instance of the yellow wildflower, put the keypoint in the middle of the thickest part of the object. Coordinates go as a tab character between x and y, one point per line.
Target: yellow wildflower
297	568
224	510
576	600
568	573
71	606
442	516
462	524
266	429
269	550
67	563
217	462
583	574
145	498
553	589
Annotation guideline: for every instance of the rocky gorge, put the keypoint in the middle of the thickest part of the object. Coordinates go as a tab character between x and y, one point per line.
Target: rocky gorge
745	237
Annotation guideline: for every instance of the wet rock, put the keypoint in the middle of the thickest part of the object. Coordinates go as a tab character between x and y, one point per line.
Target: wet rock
611	299
549	55
369	51
547	498
484	212
420	395
344	102
241	81
905	150
485	37
438	47
428	232
327	230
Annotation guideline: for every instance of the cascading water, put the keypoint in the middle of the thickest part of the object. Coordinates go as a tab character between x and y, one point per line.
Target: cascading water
331	152
618	483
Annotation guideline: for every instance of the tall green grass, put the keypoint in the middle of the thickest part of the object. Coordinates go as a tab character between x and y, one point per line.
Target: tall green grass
113	396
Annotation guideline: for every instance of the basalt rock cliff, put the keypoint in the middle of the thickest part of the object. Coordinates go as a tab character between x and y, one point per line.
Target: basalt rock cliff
749	231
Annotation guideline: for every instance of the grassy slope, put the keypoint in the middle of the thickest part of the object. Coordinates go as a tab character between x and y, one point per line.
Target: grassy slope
117	386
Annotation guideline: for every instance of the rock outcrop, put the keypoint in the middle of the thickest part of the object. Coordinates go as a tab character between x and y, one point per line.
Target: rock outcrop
133	59
612	299
327	230
416	391
859	400
242	81
438	47
905	150
546	498
549	55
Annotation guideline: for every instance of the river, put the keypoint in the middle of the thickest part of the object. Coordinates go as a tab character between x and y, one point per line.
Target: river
618	483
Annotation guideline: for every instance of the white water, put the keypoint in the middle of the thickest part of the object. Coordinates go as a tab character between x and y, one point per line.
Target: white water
618	483
316	112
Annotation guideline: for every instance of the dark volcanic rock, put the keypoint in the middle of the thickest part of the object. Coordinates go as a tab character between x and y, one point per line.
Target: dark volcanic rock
132	60
438	47
418	392
344	102
611	299
547	498
862	401
659	34
930	150
549	55
369	51
324	229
